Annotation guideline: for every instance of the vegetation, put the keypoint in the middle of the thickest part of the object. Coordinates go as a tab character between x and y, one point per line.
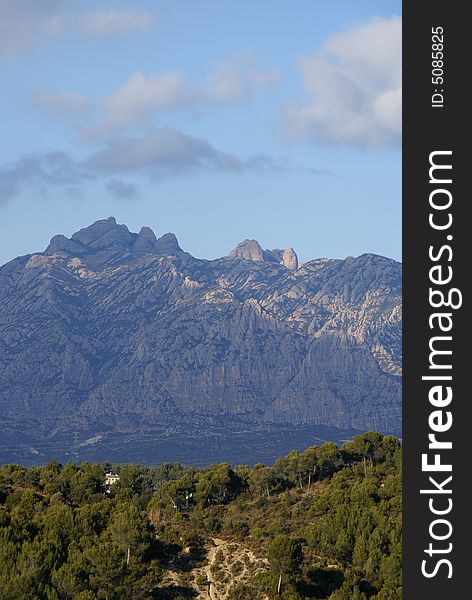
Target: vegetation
323	523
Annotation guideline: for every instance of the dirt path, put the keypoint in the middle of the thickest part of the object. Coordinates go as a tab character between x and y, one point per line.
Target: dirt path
213	587
226	563
230	563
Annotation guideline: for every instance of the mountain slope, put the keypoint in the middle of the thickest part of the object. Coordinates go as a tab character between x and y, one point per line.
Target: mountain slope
113	329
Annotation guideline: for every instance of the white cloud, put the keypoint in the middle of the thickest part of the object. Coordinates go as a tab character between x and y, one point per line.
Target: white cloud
354	88
143	97
112	22
139	98
23	22
235	80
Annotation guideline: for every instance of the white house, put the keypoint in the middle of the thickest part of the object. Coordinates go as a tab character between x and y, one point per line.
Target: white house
111	478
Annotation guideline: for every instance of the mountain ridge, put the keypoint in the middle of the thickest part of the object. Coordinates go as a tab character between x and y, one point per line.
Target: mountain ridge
129	329
166	243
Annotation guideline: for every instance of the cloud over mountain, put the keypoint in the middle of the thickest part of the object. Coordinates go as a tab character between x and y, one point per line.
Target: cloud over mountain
353	84
160	153
51	169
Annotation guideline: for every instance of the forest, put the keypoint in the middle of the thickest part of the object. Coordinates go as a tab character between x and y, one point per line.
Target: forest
324	523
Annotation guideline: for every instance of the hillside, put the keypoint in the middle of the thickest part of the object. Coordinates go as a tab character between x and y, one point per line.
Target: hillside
324	523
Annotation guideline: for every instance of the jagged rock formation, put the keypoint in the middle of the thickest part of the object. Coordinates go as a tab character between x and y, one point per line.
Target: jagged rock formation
124	329
251	250
248	250
290	259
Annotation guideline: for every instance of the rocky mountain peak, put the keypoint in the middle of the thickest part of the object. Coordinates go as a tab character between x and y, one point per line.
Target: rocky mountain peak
145	242
107	240
105	233
59	244
251	250
248	250
167	244
147	233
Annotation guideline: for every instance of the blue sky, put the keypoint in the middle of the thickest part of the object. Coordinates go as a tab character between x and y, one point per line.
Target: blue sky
217	120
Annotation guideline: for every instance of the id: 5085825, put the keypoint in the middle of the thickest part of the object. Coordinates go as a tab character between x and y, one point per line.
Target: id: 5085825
437	66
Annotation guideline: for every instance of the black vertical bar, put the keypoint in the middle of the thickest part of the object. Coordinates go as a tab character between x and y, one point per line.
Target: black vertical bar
432	123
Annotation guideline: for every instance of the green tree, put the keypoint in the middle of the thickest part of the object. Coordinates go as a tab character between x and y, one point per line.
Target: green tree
350	589
219	484
128	530
285	557
175	495
262	480
329	459
107	569
70	579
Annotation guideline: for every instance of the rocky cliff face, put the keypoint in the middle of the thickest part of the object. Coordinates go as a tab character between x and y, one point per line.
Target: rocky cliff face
126	329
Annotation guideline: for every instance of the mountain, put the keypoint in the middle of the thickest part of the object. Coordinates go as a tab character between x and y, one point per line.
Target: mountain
116	331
